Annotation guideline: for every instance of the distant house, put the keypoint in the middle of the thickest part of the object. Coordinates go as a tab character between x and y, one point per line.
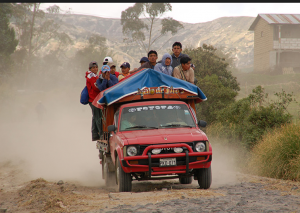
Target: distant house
276	43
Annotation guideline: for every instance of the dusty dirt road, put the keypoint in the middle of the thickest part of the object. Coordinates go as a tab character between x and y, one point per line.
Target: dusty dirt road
246	194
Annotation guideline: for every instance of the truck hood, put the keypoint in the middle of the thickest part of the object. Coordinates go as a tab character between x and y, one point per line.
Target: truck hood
162	136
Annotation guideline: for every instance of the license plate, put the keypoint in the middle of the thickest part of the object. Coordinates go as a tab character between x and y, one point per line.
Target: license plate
167	162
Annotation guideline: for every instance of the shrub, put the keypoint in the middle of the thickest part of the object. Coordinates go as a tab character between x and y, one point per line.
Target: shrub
248	119
277	155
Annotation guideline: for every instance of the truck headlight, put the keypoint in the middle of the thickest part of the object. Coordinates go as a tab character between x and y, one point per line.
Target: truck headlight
131	151
156	151
200	147
178	149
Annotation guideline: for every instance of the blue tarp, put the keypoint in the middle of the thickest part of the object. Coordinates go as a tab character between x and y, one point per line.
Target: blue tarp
146	78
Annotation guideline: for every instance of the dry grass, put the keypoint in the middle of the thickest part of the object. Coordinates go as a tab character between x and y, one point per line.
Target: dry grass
277	155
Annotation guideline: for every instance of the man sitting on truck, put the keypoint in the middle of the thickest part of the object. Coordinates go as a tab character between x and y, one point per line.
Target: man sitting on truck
106	79
125	67
152	57
184	70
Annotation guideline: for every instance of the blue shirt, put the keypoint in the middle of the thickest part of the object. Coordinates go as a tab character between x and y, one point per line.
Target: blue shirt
103	84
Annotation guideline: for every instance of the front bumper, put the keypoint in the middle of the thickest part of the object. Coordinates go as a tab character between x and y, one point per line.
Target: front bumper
148	162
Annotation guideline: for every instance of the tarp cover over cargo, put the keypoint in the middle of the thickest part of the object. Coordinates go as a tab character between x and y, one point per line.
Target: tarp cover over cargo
147	78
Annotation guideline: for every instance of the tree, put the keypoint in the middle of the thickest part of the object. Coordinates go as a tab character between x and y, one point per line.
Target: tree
35	28
141	18
95	49
8	42
247	119
209	60
215	79
218	98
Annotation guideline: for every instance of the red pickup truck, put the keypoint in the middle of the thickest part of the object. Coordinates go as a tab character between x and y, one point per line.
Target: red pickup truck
153	134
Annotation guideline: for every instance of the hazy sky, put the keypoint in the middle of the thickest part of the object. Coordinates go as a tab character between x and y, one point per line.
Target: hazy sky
185	12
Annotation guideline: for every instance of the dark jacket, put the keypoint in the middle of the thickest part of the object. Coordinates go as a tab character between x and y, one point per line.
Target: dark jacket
176	61
145	65
103	84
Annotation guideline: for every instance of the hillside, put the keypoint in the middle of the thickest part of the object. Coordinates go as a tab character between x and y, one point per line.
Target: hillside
231	32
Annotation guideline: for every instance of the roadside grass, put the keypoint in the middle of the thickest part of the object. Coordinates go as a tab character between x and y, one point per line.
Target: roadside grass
277	155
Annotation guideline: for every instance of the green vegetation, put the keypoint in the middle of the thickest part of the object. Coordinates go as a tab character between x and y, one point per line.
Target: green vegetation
8	42
213	72
247	119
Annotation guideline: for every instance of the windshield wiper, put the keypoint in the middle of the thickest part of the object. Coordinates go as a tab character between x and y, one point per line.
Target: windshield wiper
136	127
176	125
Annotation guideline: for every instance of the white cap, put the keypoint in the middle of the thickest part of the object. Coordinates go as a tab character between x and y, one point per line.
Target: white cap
107	59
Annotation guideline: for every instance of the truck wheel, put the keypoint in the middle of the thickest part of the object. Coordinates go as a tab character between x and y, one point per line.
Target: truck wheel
124	180
204	177
108	176
186	180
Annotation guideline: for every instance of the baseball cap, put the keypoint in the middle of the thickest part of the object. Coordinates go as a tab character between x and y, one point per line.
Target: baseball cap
105	68
144	59
92	63
111	64
125	64
107	59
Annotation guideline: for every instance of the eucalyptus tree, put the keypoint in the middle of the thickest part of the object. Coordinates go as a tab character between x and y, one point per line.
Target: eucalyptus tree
8	42
139	20
35	28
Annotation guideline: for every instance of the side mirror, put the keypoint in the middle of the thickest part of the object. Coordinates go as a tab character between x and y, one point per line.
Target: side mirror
202	123
111	128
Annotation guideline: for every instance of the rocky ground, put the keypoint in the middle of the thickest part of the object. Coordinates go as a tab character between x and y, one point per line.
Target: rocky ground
246	194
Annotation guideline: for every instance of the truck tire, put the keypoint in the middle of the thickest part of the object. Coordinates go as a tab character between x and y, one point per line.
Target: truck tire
108	176
204	177
124	179
186	180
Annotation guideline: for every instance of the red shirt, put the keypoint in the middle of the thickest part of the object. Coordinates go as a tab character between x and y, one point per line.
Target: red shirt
117	74
93	90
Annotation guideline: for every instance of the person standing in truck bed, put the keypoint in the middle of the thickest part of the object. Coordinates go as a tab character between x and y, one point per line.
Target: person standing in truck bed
91	78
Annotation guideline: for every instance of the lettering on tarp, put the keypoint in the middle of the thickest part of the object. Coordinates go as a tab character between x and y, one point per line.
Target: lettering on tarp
159	90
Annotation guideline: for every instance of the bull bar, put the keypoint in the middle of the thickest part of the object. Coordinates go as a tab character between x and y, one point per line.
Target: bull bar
179	169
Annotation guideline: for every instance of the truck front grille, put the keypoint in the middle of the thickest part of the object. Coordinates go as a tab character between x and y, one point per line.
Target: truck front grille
165	150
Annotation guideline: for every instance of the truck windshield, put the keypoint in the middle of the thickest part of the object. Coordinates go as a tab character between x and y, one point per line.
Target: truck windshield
156	116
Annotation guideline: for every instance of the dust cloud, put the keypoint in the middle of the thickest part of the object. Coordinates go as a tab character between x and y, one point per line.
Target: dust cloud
56	147
59	146
227	160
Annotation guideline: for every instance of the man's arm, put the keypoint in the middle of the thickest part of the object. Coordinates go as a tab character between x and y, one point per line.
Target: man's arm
102	86
145	65
98	83
113	80
176	73
192	76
